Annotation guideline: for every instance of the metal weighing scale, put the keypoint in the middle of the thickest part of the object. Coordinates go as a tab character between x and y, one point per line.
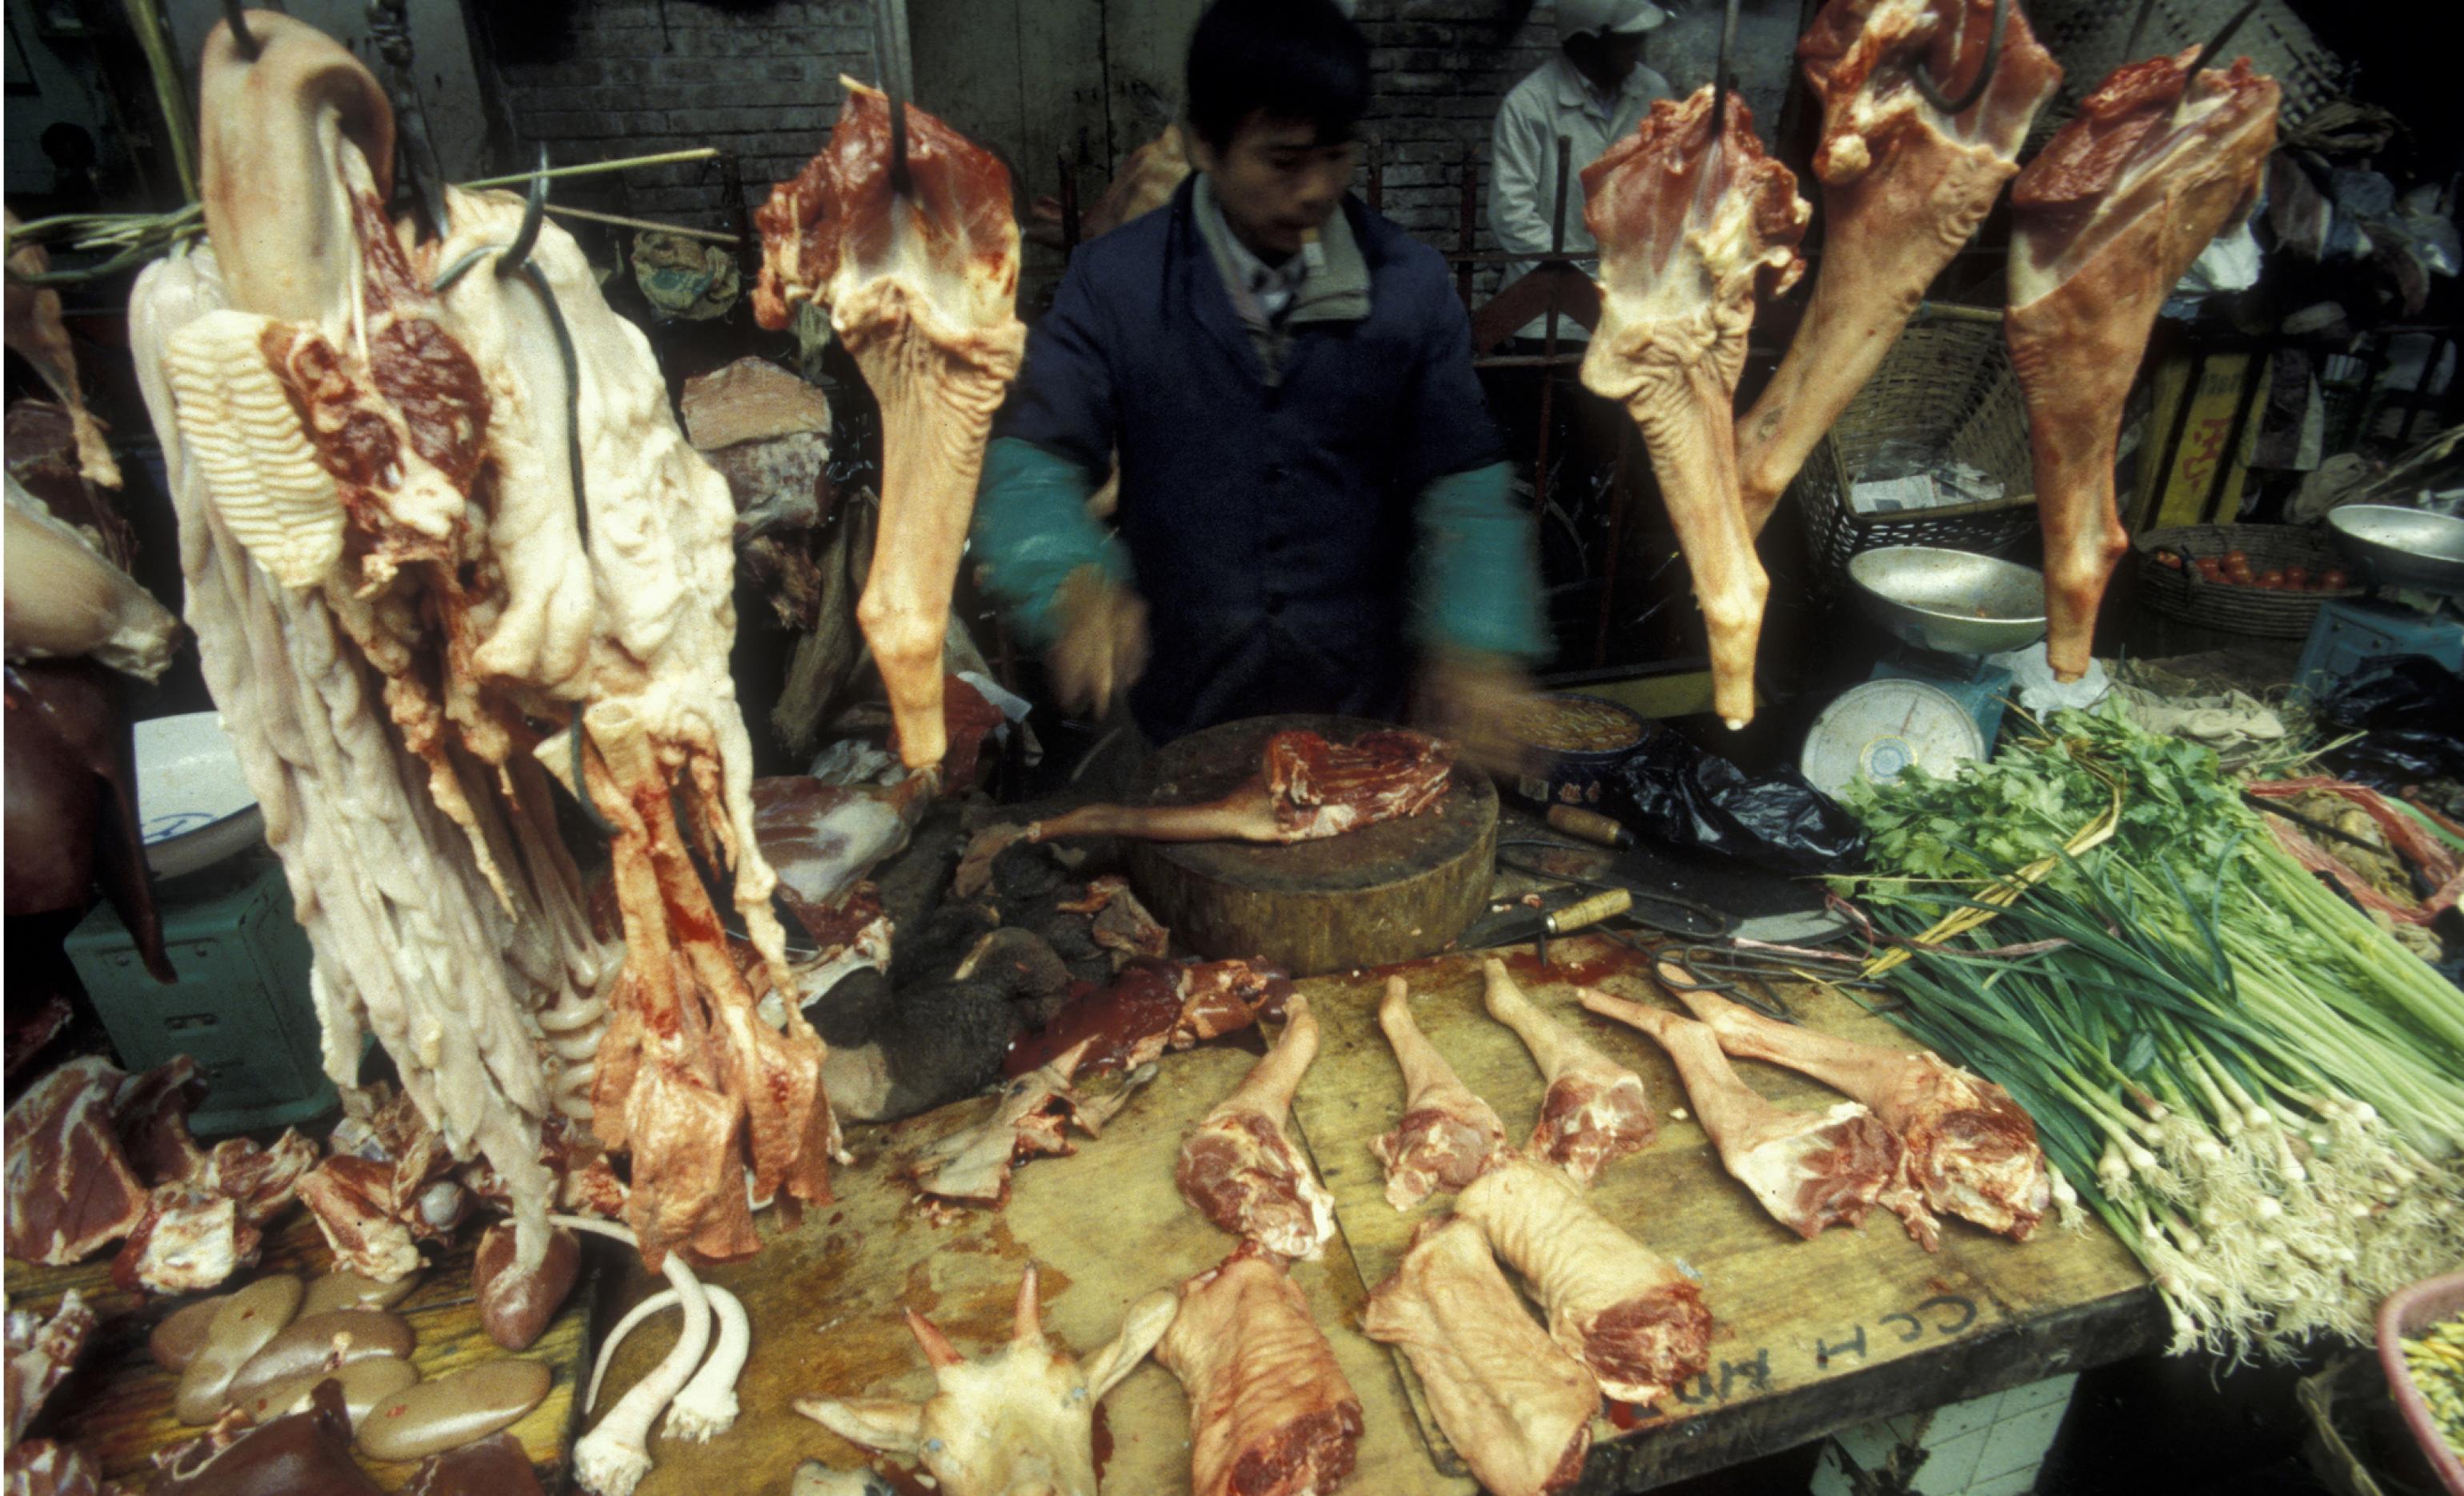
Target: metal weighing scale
1936	701
2417	553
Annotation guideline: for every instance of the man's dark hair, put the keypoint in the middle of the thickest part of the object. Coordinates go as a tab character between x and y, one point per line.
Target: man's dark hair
1296	59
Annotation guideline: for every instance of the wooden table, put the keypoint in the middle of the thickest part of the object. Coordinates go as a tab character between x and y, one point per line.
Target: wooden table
1813	1336
1104	1227
117	1402
1816	1337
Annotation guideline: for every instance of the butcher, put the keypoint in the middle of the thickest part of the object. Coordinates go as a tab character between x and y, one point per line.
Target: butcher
1315	513
1594	91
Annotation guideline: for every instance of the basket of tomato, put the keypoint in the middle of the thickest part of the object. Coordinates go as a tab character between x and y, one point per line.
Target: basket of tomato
2262	580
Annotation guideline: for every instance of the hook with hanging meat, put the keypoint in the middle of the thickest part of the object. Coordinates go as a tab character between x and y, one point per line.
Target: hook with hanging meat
2211	54
1932	93
241	36
1720	74
2138	29
514	259
889	48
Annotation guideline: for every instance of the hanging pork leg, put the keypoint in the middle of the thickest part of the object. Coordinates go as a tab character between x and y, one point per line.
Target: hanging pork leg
921	285
1687	226
1905	185
2159	160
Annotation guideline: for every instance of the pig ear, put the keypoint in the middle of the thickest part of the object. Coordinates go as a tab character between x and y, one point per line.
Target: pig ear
1140	1328
882	1423
938	1348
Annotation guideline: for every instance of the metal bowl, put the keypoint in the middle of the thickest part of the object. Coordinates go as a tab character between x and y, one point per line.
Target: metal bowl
1955	602
197	805
2396	547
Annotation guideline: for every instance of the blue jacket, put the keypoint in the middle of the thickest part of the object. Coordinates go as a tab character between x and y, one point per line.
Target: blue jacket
1295	537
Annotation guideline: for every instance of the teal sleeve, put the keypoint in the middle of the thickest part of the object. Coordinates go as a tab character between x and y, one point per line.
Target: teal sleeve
1476	585
1032	529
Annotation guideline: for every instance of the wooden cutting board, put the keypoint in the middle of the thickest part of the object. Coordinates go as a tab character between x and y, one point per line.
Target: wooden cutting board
1395	891
1813	1335
117	1402
1104	1227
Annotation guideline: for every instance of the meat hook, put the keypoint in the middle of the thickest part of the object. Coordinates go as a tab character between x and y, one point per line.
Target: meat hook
514	259
2214	48
241	38
516	255
2138	28
901	183
1720	74
1984	74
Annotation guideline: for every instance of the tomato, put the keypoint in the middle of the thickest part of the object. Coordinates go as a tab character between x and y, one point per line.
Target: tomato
2171	560
2236	560
2335	579
2272	578
2296	577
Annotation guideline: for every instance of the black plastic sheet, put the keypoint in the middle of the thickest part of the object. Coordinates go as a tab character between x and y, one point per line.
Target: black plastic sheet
2409	710
1675	793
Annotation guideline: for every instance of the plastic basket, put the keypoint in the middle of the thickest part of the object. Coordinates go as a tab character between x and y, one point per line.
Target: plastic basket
2409	1312
2190	597
1948	388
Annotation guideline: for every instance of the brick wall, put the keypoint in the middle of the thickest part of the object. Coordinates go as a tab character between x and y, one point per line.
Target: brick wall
1443	66
600	78
594	79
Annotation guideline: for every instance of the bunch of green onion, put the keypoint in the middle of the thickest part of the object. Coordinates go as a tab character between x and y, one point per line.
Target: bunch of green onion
2253	1085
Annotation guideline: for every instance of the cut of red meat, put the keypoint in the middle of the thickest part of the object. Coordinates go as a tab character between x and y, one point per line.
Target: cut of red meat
71	1191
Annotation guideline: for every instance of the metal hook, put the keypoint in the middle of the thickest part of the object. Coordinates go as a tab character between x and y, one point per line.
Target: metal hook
893	86
2212	49
241	36
516	258
2138	28
1984	74
1720	74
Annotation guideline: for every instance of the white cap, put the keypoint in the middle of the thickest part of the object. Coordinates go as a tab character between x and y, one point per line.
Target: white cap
1615	17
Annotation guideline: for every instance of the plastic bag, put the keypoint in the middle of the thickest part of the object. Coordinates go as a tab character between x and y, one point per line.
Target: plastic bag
2409	710
1679	794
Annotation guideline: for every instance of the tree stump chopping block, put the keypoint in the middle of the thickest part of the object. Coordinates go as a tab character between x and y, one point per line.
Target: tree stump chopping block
1395	891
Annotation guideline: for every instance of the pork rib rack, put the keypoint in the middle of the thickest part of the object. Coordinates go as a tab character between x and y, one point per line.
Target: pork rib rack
1614	1304
1904	187
2160	158
1688	227
1516	1408
1271	1413
921	286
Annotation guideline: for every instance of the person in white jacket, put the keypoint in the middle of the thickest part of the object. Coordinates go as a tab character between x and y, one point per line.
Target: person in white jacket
1596	91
